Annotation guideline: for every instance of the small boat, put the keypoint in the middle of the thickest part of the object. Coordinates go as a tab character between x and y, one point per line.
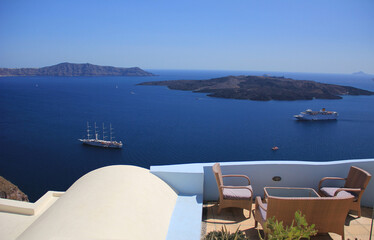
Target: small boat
101	142
275	148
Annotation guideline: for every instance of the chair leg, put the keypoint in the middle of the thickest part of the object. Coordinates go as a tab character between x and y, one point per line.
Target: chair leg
359	211
356	208
249	207
219	209
256	224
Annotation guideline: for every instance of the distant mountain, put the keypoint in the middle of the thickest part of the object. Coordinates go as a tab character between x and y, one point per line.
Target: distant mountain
73	69
262	88
360	73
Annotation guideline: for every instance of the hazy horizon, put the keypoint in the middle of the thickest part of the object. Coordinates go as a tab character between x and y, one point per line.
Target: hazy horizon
292	36
223	70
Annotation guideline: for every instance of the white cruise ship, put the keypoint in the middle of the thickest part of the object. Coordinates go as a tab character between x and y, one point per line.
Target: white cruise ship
310	115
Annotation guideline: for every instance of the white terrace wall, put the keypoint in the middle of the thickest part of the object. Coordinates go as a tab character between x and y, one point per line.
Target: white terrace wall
198	177
293	174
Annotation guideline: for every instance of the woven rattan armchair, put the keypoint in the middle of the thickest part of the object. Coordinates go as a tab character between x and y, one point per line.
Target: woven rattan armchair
233	196
355	185
328	214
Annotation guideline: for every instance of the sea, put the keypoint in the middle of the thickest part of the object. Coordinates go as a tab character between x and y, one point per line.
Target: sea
42	118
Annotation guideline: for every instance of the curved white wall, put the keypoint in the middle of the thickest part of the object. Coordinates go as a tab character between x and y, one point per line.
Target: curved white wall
115	202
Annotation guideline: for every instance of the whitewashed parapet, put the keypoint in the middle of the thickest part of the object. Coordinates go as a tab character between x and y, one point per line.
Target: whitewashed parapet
261	173
185	179
292	174
27	208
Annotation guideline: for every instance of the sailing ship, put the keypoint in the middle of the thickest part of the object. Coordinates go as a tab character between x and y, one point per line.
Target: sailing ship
101	142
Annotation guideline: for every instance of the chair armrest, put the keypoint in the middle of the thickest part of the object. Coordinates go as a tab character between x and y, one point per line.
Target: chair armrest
259	203
243	176
237	187
348	190
329	178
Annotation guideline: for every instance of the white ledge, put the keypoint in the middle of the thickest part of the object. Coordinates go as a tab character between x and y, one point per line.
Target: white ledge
27	208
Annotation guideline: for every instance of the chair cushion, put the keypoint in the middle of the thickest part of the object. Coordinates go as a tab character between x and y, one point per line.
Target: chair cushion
238	193
263	212
330	191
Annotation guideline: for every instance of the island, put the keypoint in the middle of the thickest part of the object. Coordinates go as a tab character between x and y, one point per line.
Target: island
73	70
262	88
360	73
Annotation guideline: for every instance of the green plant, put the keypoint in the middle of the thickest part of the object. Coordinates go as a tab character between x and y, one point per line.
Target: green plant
225	235
299	228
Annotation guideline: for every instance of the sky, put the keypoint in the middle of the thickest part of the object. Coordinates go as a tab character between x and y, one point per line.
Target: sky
335	36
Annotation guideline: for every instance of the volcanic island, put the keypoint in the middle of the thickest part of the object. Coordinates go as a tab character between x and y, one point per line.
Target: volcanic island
262	88
74	70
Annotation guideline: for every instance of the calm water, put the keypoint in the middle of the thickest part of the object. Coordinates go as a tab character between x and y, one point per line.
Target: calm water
41	119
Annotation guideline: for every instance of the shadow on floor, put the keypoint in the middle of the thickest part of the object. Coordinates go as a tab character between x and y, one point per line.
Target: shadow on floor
226	216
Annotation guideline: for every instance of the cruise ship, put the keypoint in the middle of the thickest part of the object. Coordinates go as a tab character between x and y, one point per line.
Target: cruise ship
310	115
101	142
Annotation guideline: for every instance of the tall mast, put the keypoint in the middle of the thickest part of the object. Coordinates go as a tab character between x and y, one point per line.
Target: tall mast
88	130
111	134
103	132
96	134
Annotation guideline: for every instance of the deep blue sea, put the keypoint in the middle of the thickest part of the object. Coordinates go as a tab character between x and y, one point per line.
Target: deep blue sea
42	118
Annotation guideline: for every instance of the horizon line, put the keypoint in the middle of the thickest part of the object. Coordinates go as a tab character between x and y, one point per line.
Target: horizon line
359	72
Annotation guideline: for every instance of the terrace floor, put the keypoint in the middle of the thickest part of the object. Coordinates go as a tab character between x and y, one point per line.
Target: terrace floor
232	218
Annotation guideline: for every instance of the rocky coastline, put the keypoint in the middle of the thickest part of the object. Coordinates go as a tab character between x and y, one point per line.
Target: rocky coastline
10	191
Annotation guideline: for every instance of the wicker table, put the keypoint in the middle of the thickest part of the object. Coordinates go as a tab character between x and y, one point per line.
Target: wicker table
289	192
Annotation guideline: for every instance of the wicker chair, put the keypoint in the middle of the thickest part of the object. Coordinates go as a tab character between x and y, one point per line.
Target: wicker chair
233	196
355	185
328	214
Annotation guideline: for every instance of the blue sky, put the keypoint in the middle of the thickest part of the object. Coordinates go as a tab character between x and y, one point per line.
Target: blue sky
294	36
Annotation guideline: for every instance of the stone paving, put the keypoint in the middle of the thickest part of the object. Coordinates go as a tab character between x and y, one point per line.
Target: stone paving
233	218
